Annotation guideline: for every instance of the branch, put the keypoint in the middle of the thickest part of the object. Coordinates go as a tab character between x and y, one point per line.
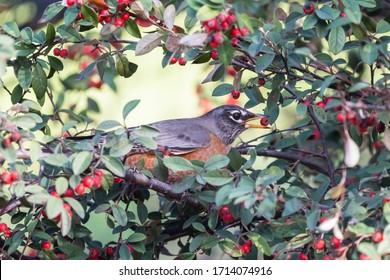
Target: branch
162	188
293	157
11	205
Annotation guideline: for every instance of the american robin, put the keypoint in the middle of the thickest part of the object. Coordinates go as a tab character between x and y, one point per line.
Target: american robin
197	138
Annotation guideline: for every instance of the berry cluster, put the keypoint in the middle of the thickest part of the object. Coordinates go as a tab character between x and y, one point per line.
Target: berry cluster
363	123
89	182
63	53
8	178
13	137
225	215
223	27
4	228
106	253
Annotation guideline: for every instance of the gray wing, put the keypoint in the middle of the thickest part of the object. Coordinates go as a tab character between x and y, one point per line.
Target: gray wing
180	137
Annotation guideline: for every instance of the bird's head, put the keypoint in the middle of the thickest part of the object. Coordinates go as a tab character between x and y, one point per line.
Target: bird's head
228	121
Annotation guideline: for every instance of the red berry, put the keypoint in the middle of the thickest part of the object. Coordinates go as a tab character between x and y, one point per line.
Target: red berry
224	210
16	136
173	60
377	236
327	257
67	207
371	194
244	31
308	8
125	15
212	24
351	116
214	55
8	233
245	248
235	94
214	45
64	53
328	99
54	193
235	42
363	257
316	134
80	189
93	252
303	257
336	243
123	2
341	117
386	200
323	219
342	14
231	71
377	145
3	227
88	181
130	248
380	127
227	218
70	2
321	104
218	38
225	25
99	173
107	19
97	182
262	82
231	18
235	32
6	143
118	22
319	244
370	122
69	193
6	177
46	245
182	61
363	129
264	121
306	102
109	251
14	175
118	180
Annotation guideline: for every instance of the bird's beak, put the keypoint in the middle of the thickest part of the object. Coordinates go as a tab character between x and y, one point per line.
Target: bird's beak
263	122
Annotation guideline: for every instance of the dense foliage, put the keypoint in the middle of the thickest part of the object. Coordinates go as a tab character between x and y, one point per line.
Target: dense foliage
325	194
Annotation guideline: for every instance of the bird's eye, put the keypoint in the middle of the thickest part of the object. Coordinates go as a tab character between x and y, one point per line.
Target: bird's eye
236	116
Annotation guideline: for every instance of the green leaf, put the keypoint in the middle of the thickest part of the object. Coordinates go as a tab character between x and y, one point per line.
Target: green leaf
225	52
124	252
291	206
367	3
11	28
295	191
216	162
148	142
199	227
336	40
110	124
39	81
352	10
142	212
369	53
24	77
61	185
269	176
81	162
58	160
382	27
136	237
148	43
217	177
325	12
119	215
210	242
114	165
319	113
27	35
205	13
38	198
54	206
178	164
222	89
260	243
102	208
264	61
55	63
124	67
90	15
86	72
195	243
121	148
50	33
386	212
76	206
369	250
299	241
309	22
24	121
51	11
132	28
129	107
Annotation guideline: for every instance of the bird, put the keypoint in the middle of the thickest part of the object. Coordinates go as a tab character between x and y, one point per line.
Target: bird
197	138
